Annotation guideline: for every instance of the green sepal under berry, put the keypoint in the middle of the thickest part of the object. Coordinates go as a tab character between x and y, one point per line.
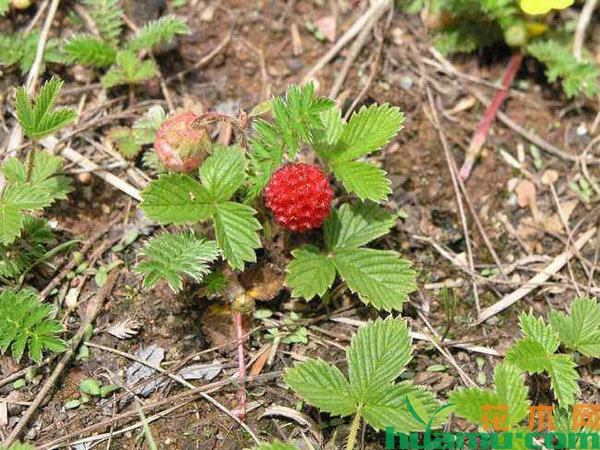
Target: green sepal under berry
378	354
379	277
180	199
26	324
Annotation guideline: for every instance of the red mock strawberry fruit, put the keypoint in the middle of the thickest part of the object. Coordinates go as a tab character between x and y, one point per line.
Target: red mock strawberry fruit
299	196
179	146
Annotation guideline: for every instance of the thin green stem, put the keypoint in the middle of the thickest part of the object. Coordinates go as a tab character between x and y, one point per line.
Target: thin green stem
353	431
30	162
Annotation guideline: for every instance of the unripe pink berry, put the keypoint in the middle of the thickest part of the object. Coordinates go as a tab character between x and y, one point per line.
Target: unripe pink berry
180	146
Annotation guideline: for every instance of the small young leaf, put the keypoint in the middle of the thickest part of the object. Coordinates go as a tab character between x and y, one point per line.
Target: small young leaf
90	387
536	329
310	273
379	277
89	51
107	15
377	355
128	69
580	330
322	385
158	31
126	141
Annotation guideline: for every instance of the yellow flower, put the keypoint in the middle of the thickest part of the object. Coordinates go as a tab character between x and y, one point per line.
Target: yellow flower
535	7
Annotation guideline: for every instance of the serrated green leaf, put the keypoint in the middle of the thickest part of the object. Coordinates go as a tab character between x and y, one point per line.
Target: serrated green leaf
581	329
379	277
511	389
37	118
223	173
175	256
236	229
377	355
129	69
126	141
536	329
310	273
353	225
469	402
158	31
26	197
529	355
368	130
26	323
107	15
89	51
11	222
363	179
386	407
563	379
322	385
176	198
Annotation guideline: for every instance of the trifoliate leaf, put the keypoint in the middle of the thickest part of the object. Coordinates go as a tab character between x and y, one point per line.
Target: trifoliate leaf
529	355
310	273
44	183
377	355
469	402
175	256
129	69
380	278
126	141
236	229
176	198
322	385
580	330
26	323
353	225
386	407
223	173
368	130
89	51
38	118
510	387
563	379
363	179
536	329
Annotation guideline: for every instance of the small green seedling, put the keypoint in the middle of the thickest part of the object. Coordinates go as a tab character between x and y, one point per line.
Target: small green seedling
28	324
537	351
122	61
377	355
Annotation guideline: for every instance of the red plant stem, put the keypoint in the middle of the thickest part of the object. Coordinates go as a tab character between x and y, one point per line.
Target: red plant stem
490	115
239	329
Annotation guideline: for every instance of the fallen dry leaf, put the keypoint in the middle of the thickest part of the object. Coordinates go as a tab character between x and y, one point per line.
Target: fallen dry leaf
218	325
326	25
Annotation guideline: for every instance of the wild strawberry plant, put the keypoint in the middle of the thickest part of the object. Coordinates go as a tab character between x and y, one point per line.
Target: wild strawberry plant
122	60
230	179
377	355
537	351
34	185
